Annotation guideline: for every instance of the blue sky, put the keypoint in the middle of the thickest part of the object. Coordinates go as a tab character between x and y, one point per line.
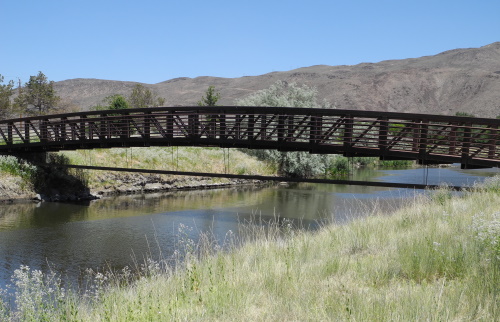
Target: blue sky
151	41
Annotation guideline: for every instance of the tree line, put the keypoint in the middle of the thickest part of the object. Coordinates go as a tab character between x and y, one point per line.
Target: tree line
140	97
38	97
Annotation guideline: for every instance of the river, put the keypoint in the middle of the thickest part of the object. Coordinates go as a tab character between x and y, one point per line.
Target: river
118	231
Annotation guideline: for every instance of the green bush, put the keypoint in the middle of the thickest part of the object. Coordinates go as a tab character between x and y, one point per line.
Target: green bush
17	167
282	94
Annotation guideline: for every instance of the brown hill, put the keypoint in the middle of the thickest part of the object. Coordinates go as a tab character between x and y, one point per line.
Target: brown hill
460	80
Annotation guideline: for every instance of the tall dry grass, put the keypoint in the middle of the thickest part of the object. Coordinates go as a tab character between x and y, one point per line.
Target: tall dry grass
438	259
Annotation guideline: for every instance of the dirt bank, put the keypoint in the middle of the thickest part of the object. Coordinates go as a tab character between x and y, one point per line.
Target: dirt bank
13	189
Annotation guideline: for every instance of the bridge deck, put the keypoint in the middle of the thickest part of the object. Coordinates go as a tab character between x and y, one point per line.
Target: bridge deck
473	142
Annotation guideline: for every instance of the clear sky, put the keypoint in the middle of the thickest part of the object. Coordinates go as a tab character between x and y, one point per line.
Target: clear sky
151	41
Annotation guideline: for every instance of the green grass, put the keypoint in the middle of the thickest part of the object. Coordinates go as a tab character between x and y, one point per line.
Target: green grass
438	260
213	160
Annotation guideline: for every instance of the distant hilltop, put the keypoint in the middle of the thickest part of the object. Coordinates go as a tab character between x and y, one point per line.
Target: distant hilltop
459	80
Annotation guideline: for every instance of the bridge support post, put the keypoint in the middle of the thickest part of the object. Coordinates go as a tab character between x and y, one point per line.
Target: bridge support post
348	133
281	128
194	124
290	128
124	126
263	126
452	139
237	127
212	125
10	137
169	125
43	131
492	141
315	129
27	132
251	127
147	125
382	135
82	127
415	130
222	126
422	138
62	129
102	127
38	157
466	146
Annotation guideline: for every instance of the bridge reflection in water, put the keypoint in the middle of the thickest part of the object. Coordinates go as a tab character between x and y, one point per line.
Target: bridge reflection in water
429	139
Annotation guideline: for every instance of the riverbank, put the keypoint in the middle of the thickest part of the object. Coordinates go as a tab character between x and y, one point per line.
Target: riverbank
21	182
437	259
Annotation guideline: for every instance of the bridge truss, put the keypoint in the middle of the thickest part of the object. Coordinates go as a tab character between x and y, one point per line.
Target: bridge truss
472	142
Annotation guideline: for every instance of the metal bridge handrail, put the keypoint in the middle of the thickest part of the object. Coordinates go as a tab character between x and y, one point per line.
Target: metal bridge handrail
270	110
427	138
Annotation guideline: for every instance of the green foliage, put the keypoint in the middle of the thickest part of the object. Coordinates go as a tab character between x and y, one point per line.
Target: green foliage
294	164
487	232
464	114
282	94
38	96
6	91
442	195
117	102
142	97
338	166
17	167
210	98
396	163
491	184
112	102
43	179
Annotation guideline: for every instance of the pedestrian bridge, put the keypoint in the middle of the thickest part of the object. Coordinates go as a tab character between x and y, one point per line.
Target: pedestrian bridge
429	139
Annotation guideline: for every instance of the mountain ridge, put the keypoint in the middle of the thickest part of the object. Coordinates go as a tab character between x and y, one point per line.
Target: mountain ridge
457	80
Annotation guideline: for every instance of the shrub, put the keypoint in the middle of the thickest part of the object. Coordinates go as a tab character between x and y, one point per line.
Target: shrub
282	94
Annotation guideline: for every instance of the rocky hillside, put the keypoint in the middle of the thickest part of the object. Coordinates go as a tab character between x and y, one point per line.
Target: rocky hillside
460	80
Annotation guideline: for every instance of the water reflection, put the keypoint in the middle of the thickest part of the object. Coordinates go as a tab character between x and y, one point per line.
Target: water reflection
69	238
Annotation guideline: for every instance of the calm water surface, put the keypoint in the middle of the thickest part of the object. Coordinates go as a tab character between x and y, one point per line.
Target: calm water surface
68	238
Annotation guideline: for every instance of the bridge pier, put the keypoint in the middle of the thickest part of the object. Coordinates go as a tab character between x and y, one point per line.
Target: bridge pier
32	157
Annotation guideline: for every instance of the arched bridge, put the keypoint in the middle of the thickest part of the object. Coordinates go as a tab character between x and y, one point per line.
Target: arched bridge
472	142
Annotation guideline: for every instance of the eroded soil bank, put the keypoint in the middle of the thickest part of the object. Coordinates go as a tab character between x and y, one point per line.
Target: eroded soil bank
14	189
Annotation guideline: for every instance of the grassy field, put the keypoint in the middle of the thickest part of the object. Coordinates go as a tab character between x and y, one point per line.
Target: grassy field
437	260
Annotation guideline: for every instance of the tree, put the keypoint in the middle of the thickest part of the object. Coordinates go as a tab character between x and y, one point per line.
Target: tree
282	94
112	102
210	98
37	96
6	91
116	102
143	97
464	114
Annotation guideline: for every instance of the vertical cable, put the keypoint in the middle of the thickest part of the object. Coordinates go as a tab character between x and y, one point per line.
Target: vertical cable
225	160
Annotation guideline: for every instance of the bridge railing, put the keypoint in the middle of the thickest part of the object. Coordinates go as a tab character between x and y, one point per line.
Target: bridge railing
429	138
